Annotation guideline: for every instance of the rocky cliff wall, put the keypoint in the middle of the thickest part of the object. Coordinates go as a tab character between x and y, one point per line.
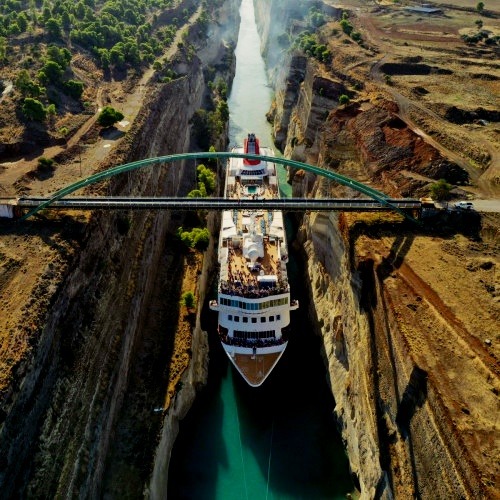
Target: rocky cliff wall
60	420
390	411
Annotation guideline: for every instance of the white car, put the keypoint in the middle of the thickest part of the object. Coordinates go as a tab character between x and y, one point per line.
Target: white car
464	205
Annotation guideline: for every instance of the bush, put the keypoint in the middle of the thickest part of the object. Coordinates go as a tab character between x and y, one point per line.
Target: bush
344	99
45	164
207	177
346	26
109	116
196	238
33	109
188	300
441	190
73	88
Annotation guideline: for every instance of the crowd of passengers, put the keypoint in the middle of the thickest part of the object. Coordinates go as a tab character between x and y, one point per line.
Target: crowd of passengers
226	339
241	271
250	291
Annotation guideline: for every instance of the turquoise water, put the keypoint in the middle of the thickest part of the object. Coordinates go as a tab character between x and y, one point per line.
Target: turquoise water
277	441
251	96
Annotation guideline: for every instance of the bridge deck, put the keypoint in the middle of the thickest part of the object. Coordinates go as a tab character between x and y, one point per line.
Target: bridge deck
286	204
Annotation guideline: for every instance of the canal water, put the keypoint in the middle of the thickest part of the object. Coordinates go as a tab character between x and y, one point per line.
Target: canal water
278	441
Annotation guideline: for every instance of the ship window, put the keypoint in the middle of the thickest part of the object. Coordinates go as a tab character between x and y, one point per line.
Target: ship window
242	305
237	319
271	318
278	317
254	320
263	319
230	317
245	319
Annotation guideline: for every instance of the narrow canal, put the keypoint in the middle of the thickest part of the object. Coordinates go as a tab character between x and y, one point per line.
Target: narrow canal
278	441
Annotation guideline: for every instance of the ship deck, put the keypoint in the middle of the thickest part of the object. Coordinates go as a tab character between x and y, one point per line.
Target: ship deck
256	368
239	270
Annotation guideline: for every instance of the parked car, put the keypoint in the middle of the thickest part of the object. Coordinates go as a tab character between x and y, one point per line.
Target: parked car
464	205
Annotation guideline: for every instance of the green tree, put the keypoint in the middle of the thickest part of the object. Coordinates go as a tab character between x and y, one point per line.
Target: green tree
51	72
223	111
440	190
480	7
74	88
3	48
109	116
22	82
346	26
53	27
22	22
344	99
196	238
188	300
60	56
206	177
66	20
33	109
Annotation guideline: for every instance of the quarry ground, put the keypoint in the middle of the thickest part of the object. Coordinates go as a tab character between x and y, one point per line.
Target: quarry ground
453	277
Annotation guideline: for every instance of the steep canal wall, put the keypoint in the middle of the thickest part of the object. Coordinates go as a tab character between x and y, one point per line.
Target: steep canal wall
60	424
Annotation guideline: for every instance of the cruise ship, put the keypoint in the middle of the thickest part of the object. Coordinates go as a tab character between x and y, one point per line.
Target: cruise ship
253	300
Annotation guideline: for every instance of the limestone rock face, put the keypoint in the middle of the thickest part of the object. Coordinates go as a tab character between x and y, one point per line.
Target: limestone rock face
59	420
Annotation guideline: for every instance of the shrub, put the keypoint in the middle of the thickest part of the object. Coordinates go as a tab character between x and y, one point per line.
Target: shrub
73	88
344	99
188	300
196	238
109	116
440	190
346	26
33	109
45	164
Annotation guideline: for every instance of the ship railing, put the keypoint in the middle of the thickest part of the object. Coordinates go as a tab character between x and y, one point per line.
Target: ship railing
251	292
226	339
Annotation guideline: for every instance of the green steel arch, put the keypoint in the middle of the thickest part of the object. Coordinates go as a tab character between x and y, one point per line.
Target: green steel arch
120	169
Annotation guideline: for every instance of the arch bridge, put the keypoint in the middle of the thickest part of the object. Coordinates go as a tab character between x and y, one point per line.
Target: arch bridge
377	200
